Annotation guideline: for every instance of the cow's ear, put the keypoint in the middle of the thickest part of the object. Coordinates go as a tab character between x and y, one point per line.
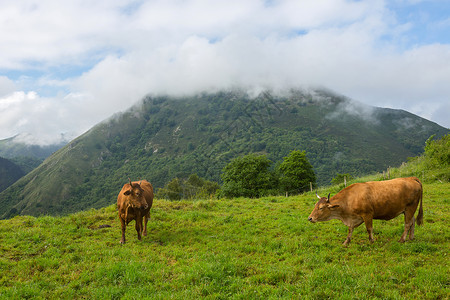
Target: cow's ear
127	192
331	206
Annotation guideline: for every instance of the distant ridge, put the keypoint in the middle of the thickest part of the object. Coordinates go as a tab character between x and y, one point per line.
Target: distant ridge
9	173
164	137
11	148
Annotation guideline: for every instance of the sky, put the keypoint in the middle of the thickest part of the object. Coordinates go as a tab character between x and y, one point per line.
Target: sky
67	65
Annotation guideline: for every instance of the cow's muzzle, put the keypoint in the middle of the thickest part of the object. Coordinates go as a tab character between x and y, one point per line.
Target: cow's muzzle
311	220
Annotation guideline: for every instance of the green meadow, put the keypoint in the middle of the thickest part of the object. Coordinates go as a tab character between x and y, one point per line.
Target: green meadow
226	249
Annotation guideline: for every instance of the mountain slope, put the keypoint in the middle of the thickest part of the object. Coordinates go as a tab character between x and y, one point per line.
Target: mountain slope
164	137
26	156
10	148
9	173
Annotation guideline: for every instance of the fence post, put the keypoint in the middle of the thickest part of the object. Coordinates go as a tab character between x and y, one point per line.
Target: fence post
310	186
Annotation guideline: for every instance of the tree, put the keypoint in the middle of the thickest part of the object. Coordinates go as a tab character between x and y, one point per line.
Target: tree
296	173
248	176
197	187
437	152
172	191
193	187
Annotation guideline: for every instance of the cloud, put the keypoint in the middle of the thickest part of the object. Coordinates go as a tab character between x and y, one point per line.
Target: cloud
41	121
84	63
7	86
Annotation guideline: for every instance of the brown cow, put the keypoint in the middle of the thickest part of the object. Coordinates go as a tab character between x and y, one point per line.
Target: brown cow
133	203
362	202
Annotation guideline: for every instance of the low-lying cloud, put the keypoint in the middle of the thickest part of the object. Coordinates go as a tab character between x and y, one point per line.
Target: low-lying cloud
92	62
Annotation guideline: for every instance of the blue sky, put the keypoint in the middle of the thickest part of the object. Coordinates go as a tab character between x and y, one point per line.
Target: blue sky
429	21
66	65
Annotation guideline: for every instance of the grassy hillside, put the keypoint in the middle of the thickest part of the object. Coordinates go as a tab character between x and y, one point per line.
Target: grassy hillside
221	249
163	138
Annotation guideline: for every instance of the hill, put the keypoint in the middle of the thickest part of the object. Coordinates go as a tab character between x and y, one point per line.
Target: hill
9	173
165	137
13	147
27	156
225	249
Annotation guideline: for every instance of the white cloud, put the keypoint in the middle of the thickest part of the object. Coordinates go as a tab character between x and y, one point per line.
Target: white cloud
118	51
38	120
7	86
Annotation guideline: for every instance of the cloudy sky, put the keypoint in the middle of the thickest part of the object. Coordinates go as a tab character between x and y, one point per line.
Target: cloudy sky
67	65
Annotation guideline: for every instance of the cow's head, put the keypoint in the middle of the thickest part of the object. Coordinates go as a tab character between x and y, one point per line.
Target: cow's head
323	210
135	195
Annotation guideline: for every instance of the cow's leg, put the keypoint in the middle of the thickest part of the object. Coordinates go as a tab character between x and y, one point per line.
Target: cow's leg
139	227
411	230
368	222
349	236
146	218
409	223
122	222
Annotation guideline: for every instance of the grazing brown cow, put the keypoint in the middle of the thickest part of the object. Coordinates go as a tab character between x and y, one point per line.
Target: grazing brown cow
133	203
362	202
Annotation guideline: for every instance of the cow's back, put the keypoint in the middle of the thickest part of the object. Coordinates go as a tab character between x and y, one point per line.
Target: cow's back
382	199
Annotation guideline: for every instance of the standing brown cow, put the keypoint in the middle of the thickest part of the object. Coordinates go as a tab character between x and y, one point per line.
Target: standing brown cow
362	202
133	203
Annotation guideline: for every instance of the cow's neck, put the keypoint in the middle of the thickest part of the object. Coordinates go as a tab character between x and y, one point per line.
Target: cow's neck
341	212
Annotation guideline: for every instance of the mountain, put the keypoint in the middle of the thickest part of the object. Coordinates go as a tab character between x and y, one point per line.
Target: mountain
14	147
27	156
166	137
9	173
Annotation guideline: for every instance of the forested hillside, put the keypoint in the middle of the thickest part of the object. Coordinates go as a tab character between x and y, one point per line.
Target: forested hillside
164	137
9	173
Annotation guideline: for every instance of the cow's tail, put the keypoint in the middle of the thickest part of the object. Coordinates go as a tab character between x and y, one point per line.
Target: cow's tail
420	215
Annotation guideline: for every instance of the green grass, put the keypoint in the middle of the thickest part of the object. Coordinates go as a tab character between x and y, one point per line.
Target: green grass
220	249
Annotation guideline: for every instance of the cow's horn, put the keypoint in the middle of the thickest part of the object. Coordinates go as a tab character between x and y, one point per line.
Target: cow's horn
328	200
130	181
318	196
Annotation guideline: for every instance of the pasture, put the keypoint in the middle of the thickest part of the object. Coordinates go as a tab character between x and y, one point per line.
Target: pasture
226	249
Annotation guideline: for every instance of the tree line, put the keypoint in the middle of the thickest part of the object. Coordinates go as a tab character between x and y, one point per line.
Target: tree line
252	175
